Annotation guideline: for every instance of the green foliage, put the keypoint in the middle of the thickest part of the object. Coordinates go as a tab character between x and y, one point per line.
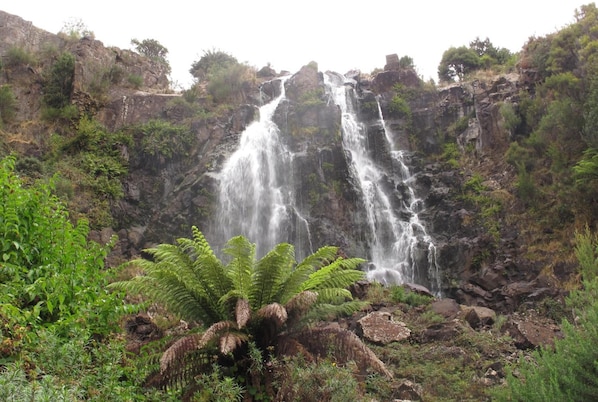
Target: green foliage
525	186
451	154
267	301
152	49
58	83
400	107
51	273
135	80
457	62
214	387
590	128
163	141
406	62
212	60
8	105
569	371
586	170
97	156
17	56
227	84
326	381
511	118
399	294
191	281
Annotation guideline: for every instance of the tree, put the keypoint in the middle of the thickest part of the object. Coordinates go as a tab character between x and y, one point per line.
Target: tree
58	85
406	62
151	48
456	62
211	61
250	307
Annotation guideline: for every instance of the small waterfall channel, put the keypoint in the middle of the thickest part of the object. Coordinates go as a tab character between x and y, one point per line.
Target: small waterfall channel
256	197
401	250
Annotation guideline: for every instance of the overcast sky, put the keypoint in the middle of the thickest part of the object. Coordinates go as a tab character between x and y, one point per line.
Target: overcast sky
338	35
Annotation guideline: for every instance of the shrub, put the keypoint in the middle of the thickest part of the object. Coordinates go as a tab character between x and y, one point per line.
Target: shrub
8	104
569	371
135	80
58	83
17	56
400	295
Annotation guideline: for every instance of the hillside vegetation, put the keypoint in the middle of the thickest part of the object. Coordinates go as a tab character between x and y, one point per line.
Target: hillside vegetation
74	327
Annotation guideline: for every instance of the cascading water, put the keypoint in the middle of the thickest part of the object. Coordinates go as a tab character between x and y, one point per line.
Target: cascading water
256	189
401	250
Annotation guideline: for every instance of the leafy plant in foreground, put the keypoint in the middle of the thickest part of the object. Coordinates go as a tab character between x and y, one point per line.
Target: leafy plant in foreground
268	302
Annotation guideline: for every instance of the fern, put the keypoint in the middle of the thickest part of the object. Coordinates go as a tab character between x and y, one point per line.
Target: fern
268	301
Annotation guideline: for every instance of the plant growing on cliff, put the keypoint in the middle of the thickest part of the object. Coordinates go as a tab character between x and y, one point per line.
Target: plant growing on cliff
58	83
152	49
569	371
252	308
8	104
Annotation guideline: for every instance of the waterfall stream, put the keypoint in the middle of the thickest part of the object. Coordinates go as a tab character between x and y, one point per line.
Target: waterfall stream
401	250
256	191
257	195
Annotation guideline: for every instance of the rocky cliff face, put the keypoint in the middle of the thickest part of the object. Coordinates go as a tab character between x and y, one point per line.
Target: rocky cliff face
162	200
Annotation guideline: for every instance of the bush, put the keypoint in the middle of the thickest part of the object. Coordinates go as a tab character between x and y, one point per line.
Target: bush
58	84
569	371
322	381
8	105
17	56
400	295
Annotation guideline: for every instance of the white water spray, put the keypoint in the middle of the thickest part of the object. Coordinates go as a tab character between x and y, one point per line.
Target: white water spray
399	241
256	189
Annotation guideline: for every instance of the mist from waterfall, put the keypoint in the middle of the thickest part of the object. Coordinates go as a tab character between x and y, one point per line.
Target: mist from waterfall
401	250
256	197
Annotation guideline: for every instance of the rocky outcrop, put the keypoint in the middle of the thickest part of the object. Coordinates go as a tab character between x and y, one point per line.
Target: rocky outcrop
163	198
379	327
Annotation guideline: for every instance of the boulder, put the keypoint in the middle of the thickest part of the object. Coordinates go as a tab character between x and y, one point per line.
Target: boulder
530	332
379	327
442	332
448	308
409	391
478	316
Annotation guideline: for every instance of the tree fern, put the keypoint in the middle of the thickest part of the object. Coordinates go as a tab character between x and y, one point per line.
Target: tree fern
339	274
267	301
270	273
293	284
240	268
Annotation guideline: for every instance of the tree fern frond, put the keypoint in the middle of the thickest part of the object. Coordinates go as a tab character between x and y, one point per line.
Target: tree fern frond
167	289
338	274
343	344
242	312
301	302
215	329
241	266
273	312
326	311
299	305
178	350
334	295
311	263
231	341
270	273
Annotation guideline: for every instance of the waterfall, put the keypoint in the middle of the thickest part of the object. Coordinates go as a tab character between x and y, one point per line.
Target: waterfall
256	197
401	250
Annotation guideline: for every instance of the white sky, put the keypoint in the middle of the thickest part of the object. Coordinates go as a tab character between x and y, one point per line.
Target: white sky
338	35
